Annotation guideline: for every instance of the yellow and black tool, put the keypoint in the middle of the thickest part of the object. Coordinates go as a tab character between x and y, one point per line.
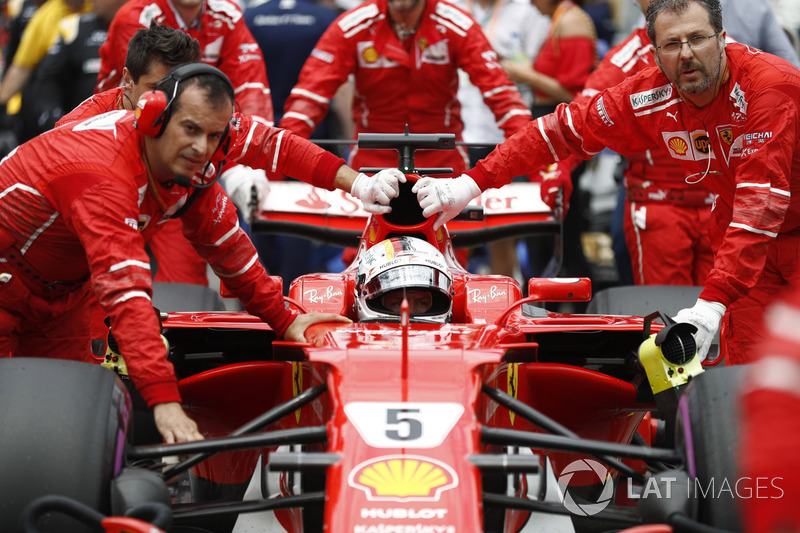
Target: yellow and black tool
669	359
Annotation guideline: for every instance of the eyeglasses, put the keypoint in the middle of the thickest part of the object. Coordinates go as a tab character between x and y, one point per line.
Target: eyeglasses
698	42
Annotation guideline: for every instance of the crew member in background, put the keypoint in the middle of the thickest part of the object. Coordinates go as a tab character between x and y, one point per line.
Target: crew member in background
405	56
225	42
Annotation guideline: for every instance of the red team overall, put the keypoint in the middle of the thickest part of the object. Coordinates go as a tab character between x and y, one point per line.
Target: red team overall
740	141
411	81
78	203
226	43
665	217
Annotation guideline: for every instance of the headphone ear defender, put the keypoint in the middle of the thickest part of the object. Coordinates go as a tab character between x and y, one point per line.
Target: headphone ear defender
149	114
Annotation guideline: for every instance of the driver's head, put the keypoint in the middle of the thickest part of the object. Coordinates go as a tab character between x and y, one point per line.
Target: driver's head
419	301
404	267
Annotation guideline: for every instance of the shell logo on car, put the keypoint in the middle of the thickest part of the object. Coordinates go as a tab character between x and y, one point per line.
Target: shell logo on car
403	478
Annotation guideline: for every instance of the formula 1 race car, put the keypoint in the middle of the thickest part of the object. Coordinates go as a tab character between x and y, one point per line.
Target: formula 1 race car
475	410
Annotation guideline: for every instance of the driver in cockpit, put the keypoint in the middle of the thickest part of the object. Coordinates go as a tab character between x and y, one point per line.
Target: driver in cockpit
404	267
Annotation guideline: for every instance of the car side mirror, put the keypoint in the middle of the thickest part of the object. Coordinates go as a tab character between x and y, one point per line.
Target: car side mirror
560	289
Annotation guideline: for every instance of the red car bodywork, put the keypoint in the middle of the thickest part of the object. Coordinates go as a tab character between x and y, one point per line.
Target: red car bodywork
404	408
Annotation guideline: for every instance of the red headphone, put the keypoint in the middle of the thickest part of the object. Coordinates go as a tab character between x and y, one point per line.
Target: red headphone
154	108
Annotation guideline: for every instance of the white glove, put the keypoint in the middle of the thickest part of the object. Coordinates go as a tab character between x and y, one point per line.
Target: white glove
446	196
706	316
375	192
239	182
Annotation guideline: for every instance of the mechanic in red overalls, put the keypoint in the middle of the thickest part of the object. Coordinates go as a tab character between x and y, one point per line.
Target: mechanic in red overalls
78	203
662	211
226	43
405	56
770	425
151	54
730	115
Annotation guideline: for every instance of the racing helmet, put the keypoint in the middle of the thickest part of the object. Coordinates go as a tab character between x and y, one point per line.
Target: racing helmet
403	263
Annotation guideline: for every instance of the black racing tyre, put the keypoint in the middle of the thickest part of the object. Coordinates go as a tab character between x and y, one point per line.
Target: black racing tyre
708	435
62	431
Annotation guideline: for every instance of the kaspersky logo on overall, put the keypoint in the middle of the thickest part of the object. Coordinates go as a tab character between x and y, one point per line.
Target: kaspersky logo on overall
651	97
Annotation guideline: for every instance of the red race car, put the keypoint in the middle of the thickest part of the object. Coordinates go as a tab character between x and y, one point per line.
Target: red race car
451	404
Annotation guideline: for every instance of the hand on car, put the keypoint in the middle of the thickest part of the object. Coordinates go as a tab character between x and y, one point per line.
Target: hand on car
556	178
174	424
375	192
297	330
706	317
240	182
445	196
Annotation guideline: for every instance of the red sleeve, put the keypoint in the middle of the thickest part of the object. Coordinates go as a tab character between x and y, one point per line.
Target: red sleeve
121	277
212	226
279	150
325	70
500	94
761	199
581	129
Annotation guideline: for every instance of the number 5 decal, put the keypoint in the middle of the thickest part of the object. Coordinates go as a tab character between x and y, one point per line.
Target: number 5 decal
405	419
403	425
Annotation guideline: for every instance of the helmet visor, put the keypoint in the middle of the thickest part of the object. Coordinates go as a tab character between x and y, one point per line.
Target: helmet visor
416	277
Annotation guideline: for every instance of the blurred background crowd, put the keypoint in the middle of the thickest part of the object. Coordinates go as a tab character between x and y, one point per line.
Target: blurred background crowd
51	62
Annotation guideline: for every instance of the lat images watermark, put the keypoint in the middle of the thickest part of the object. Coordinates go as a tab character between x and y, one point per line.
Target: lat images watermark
742	488
586	465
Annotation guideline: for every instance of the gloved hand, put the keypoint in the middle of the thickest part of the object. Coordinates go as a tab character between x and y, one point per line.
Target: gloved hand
705	316
446	196
376	191
239	182
556	177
